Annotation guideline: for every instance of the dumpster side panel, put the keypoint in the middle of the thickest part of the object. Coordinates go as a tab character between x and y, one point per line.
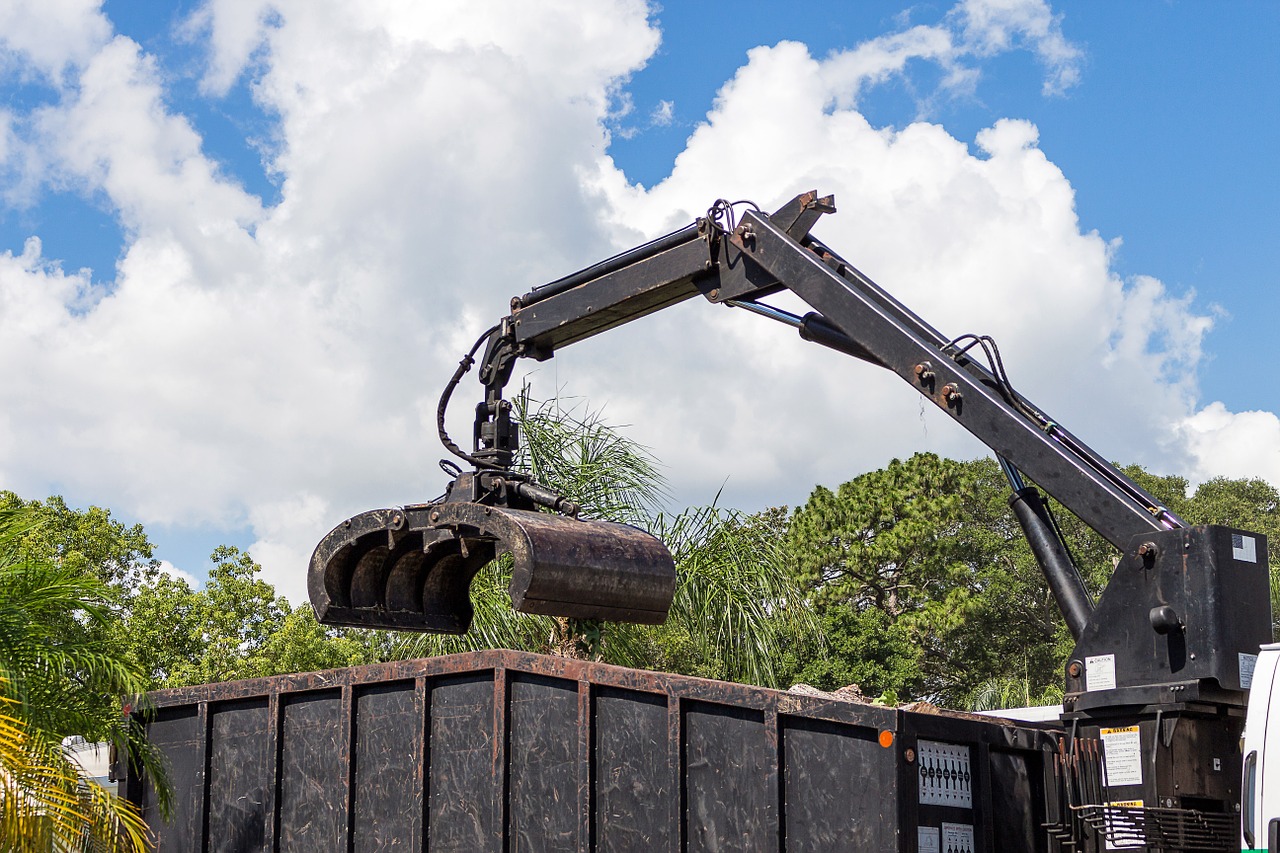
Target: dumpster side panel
179	734
387	786
1014	790
543	777
636	788
313	787
731	779
836	795
464	814
241	773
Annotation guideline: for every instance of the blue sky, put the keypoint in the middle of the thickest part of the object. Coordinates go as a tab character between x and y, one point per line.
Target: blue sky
1170	139
1165	134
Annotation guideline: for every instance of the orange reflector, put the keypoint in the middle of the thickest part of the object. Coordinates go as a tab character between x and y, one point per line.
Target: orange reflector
886	738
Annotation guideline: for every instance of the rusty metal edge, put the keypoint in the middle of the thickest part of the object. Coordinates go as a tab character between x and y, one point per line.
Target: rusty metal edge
678	687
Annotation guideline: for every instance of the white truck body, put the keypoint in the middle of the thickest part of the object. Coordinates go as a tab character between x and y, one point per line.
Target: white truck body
1260	789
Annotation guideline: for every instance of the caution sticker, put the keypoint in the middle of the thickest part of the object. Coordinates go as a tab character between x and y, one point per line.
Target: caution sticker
1121	835
1100	672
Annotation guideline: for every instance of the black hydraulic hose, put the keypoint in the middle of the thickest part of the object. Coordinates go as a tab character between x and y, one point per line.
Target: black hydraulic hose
617	262
441	407
1061	574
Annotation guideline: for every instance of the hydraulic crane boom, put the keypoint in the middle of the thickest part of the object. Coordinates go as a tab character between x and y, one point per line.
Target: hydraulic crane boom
762	256
411	567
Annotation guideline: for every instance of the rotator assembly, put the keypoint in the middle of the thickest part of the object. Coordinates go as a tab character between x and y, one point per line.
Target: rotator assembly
411	568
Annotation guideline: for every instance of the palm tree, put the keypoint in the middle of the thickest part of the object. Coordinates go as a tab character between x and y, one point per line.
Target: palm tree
45	804
735	607
1011	692
55	682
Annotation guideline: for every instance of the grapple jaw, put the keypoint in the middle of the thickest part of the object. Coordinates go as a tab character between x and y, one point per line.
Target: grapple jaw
411	569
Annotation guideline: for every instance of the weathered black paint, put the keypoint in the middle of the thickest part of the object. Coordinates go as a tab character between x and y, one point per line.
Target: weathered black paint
240	776
827	800
387	788
312	782
502	751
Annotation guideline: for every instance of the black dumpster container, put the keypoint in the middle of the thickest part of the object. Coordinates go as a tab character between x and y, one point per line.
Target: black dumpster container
496	751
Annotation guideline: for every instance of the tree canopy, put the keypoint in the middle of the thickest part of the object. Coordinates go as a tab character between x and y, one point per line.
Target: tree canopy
912	581
926	587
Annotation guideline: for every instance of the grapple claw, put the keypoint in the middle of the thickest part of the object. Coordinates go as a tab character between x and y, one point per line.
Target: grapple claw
411	568
378	570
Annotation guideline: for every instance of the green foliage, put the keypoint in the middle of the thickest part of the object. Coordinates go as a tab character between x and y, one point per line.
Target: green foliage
44	805
58	680
736	608
923	582
885	539
862	647
1011	692
235	627
85	541
575	452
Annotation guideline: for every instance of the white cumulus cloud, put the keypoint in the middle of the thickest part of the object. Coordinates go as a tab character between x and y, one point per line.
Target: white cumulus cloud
277	365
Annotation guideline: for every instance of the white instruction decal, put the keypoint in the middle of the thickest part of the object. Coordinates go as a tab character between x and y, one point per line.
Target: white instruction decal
928	839
945	779
1244	548
1122	752
1100	672
1122	833
957	838
1247	663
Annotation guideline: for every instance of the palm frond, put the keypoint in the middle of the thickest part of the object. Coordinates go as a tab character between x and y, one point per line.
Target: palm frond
735	599
46	805
576	452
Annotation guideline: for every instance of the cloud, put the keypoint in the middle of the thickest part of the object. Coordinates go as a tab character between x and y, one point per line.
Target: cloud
995	26
178	574
972	31
278	365
1232	444
50	38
